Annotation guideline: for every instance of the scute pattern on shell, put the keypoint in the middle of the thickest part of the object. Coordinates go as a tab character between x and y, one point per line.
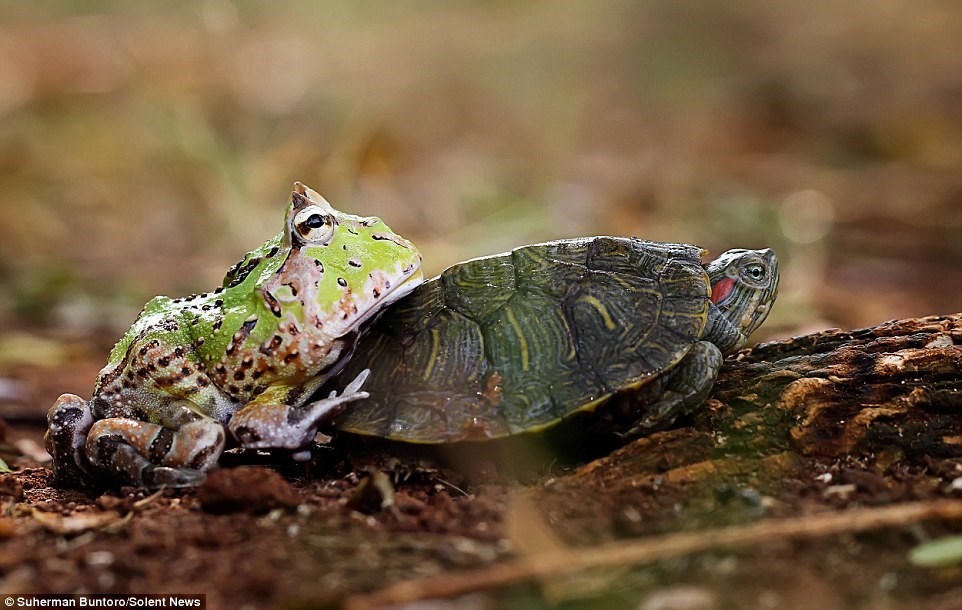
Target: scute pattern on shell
515	342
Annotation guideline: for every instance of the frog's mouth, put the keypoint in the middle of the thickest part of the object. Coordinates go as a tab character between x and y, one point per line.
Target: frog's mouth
406	287
388	296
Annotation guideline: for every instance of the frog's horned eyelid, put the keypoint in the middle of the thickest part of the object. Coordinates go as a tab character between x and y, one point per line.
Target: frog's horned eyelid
312	196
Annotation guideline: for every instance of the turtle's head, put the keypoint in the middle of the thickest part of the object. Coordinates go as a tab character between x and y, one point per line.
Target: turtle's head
744	284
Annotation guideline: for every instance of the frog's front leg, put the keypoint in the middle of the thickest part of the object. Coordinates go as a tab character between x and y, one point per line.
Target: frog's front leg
174	453
268	422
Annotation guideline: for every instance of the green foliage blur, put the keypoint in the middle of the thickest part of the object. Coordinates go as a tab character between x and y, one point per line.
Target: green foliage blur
144	147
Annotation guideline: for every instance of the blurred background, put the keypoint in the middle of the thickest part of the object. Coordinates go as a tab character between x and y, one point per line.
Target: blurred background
144	147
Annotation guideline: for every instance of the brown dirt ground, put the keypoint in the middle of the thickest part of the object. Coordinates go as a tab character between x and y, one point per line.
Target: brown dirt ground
265	532
253	538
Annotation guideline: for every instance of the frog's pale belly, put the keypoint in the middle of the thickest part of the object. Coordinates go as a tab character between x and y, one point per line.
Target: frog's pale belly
246	356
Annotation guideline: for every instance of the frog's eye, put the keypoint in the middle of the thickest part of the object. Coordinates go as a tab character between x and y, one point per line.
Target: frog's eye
313	226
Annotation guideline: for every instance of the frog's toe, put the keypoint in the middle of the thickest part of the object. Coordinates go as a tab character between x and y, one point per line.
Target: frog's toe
165	476
355	386
303	455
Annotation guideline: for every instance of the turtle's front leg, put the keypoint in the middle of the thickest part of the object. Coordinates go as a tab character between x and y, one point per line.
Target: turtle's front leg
269	422
685	388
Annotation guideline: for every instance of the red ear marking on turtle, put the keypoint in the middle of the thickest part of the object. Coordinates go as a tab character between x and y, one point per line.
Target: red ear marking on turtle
721	289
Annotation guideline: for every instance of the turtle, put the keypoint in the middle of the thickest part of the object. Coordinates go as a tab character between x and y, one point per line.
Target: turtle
515	343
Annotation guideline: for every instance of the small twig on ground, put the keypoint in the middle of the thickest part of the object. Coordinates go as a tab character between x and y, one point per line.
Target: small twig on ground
451	486
654	548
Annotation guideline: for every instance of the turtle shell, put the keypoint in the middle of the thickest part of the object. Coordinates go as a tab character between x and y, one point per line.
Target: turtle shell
516	342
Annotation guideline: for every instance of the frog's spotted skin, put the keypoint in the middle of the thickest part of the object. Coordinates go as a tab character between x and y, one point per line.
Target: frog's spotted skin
246	356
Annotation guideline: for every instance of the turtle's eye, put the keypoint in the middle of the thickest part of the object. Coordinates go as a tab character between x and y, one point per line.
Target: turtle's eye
314	226
755	271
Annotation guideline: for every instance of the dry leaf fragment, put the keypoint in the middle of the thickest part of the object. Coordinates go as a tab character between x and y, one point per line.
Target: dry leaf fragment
75	523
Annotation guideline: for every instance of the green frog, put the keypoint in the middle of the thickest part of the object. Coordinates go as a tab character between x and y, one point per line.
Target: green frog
244	359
